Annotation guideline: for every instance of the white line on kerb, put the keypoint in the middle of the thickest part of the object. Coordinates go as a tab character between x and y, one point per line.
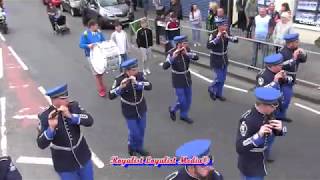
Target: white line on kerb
210	81
1	64
307	108
22	64
96	160
34	160
2	38
43	91
3	127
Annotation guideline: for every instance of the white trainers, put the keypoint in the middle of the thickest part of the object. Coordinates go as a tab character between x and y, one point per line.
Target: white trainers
144	72
148	71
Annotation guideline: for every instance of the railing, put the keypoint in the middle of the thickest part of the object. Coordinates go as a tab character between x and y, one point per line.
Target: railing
243	53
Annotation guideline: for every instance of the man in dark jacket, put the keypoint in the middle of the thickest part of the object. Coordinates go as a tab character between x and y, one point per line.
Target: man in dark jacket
59	128
179	59
175	7
293	56
218	44
130	86
256	126
145	42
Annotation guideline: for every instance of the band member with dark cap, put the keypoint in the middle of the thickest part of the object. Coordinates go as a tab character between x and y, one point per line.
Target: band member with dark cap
179	59
196	148
130	86
218	45
293	56
59	129
256	126
88	40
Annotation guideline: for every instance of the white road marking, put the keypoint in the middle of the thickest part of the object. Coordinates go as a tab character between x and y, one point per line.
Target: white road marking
34	160
3	141
43	91
1	64
2	38
210	81
28	116
307	108
22	64
96	160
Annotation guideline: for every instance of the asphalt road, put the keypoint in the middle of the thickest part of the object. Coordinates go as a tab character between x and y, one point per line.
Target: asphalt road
52	60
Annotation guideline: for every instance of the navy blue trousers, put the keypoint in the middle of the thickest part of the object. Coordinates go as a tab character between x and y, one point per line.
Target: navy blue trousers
219	76
84	173
183	103
136	129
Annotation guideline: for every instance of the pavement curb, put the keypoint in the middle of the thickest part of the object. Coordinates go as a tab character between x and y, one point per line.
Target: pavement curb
298	94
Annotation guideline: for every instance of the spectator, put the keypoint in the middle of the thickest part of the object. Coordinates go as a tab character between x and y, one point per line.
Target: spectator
285	8
212	13
261	30
282	28
172	28
145	7
250	11
275	17
195	19
119	36
220	14
134	4
176	8
242	20
52	12
145	42
158	5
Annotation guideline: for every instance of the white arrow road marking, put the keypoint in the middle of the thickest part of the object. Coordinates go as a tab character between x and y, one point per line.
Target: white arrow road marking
210	81
307	108
43	91
15	55
34	160
3	141
28	116
96	160
2	38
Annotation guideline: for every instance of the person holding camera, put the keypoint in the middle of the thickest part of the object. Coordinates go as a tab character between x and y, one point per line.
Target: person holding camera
293	56
179	59
218	45
130	86
256	126
59	128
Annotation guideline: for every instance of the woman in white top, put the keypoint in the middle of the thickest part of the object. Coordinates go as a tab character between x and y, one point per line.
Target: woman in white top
282	28
195	20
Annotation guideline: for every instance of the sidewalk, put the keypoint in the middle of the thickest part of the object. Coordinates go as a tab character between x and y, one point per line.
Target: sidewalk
242	52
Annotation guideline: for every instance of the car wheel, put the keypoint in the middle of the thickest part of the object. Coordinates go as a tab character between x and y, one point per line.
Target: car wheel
72	12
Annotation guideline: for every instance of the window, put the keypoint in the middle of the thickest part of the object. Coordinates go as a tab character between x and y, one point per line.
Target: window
307	12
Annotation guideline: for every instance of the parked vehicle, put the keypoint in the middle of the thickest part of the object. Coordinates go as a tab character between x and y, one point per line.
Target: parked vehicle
72	6
106	12
56	3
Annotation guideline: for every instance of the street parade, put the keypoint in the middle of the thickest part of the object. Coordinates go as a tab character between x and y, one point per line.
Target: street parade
159	89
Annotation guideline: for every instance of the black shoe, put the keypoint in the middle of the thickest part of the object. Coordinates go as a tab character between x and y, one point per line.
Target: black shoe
172	114
131	152
269	159
288	120
143	152
212	95
221	98
187	120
